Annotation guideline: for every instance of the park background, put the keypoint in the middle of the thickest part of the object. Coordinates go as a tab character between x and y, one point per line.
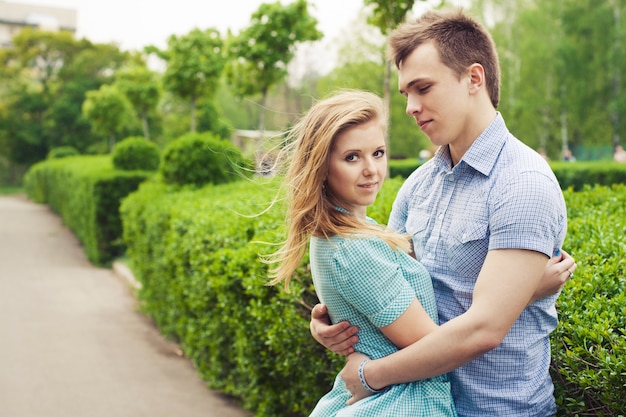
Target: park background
71	112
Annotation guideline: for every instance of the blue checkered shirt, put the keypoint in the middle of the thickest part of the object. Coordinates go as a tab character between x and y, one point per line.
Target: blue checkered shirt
501	194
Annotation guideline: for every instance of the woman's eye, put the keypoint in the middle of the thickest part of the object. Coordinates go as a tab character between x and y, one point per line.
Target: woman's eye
351	158
424	89
379	154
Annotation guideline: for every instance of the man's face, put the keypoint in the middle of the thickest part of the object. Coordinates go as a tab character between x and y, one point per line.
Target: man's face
436	97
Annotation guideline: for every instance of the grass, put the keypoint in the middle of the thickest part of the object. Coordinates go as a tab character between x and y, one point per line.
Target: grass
7	190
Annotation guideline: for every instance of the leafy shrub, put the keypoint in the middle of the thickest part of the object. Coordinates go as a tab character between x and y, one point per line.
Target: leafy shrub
200	159
577	175
589	345
136	153
86	192
196	254
62	152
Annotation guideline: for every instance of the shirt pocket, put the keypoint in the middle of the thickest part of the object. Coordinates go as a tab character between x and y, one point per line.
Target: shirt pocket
417	227
467	245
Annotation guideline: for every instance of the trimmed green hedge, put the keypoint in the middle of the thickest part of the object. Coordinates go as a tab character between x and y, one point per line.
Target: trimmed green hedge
86	192
570	174
196	255
589	346
136	153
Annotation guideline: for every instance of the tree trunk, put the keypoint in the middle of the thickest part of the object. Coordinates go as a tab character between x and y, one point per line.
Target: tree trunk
193	114
387	101
617	50
260	153
144	124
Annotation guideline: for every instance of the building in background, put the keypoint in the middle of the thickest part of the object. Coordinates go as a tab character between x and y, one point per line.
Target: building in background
16	16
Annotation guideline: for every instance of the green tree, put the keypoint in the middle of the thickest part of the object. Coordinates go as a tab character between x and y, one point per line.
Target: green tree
386	16
141	87
260	54
30	78
194	66
108	111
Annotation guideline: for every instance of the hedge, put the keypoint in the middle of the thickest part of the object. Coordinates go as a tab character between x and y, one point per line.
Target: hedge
570	174
589	345
196	254
86	192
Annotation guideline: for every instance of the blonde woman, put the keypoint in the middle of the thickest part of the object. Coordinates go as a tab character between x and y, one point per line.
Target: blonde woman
362	271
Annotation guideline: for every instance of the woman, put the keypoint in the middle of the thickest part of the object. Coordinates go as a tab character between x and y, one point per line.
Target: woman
361	271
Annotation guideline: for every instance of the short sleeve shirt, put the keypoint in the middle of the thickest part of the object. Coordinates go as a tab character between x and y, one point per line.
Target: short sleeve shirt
361	279
502	194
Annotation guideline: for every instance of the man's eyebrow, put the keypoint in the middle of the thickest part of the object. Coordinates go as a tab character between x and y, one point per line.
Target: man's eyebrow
410	84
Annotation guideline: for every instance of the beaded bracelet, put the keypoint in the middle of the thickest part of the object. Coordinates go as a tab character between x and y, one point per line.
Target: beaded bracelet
364	382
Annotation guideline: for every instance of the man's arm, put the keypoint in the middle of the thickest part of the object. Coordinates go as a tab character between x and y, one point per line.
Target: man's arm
340	337
504	288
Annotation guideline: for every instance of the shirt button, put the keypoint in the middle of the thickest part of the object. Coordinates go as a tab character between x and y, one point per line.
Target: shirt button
441	216
451	178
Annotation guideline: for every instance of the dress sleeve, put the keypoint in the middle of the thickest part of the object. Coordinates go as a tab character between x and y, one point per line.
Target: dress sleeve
369	277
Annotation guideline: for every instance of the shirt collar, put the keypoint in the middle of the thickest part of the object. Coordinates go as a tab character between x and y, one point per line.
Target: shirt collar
483	153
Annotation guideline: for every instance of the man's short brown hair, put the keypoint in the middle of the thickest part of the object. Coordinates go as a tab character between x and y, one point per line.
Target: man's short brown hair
460	41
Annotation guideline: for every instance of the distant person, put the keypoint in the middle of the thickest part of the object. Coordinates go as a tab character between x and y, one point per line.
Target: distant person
568	156
485	214
619	155
424	155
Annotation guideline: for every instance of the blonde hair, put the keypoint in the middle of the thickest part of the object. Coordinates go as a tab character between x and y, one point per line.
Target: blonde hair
311	209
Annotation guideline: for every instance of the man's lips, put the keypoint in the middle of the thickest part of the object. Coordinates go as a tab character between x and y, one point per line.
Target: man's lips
423	123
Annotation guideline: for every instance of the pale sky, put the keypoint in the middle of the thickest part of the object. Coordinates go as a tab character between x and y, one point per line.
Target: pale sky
133	24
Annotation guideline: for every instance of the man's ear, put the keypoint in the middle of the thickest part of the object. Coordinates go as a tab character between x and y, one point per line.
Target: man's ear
476	77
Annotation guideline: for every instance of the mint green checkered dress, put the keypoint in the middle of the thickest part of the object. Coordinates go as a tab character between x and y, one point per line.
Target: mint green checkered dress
362	280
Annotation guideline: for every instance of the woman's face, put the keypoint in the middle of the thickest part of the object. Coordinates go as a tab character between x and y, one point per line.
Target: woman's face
357	167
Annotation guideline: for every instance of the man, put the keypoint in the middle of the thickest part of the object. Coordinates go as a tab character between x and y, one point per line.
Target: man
486	214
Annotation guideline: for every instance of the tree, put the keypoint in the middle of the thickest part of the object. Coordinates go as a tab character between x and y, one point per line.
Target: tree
108	111
260	54
194	66
141	87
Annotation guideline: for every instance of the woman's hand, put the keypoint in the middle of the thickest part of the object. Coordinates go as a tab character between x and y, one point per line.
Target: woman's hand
557	272
350	376
339	338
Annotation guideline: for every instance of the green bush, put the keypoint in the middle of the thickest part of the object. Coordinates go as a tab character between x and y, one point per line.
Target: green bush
136	153
589	345
86	192
196	254
577	175
201	158
62	152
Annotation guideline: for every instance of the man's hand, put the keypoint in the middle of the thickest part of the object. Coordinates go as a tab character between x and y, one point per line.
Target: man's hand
557	272
350	376
339	338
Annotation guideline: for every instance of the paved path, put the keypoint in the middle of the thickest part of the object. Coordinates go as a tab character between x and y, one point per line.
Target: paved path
71	341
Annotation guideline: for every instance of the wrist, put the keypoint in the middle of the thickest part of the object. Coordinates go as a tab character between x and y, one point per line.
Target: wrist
366	381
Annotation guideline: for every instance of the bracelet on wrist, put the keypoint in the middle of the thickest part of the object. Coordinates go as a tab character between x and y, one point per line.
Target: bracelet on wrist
364	382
